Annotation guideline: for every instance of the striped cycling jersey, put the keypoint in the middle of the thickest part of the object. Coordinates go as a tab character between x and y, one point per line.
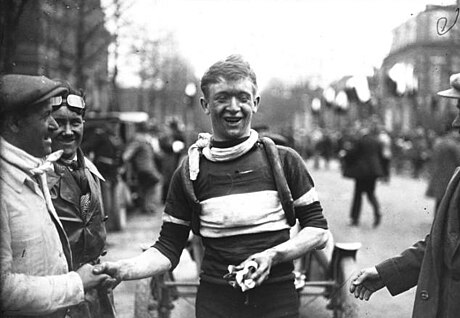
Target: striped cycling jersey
241	213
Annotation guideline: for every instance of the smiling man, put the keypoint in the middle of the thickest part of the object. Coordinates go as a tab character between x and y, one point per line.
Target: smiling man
76	194
35	254
241	194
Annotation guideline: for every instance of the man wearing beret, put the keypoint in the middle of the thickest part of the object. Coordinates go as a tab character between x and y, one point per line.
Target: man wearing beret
433	264
34	249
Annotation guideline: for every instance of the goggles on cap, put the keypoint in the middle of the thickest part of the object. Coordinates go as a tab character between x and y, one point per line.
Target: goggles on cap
74	103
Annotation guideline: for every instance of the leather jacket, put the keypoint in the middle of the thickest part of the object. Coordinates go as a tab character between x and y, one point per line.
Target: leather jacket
87	232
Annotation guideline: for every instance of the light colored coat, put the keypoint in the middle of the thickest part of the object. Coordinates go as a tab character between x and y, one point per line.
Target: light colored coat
34	269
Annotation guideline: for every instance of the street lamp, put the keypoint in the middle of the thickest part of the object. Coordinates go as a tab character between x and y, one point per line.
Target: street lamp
316	110
341	101
190	92
316	105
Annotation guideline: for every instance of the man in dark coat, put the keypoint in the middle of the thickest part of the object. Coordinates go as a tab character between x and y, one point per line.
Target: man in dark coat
433	264
445	159
76	194
364	163
172	145
141	155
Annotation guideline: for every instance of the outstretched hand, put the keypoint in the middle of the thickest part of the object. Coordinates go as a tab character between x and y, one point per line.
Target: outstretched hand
110	269
91	279
365	283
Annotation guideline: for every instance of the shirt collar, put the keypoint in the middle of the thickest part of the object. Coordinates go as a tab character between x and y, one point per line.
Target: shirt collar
15	164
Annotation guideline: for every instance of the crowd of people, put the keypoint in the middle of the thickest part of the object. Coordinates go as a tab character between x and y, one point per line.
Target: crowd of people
235	188
145	160
410	153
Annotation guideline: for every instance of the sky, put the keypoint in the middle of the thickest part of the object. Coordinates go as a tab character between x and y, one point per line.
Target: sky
289	40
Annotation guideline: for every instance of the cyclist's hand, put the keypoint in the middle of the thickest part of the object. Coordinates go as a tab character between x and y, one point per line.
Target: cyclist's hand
112	269
89	278
264	262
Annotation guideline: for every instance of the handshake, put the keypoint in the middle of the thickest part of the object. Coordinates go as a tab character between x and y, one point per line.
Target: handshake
105	275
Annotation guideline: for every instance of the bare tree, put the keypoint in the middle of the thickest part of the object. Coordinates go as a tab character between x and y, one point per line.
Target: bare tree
116	22
164	74
10	14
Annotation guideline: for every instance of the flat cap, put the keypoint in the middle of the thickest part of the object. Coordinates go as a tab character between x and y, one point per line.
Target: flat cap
19	91
454	91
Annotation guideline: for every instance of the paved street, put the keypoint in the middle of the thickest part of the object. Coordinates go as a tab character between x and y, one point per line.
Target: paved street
407	216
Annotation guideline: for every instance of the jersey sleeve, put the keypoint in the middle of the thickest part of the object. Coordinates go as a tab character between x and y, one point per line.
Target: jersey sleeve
177	207
176	221
307	206
172	240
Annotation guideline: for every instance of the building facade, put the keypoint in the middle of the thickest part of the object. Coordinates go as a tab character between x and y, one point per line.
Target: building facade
425	51
60	39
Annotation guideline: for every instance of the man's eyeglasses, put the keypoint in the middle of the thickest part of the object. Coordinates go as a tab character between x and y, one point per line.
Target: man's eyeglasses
74	103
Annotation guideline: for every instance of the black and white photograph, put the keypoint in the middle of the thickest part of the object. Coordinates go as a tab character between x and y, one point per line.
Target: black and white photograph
230	158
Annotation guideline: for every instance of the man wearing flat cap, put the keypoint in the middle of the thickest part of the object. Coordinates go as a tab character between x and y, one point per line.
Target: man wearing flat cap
34	249
433	264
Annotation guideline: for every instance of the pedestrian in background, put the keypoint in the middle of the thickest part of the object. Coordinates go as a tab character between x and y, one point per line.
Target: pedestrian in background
433	264
445	158
325	147
140	154
419	153
364	162
172	145
76	194
104	148
34	248
228	192
387	154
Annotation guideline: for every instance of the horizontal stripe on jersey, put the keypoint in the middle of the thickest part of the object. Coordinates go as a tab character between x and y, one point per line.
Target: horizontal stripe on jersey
233	195
307	199
242	213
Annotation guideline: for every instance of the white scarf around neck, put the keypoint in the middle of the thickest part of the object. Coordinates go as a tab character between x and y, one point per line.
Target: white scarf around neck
25	161
203	145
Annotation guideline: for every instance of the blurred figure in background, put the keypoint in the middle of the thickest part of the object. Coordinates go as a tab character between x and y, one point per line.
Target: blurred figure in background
444	160
387	154
140	154
76	194
316	137
433	263
172	145
364	163
325	148
419	153
104	148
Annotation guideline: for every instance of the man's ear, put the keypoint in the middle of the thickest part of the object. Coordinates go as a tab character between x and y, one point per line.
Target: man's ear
13	123
204	104
256	104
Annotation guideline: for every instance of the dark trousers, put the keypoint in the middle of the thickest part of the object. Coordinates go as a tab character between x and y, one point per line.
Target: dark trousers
367	186
266	301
